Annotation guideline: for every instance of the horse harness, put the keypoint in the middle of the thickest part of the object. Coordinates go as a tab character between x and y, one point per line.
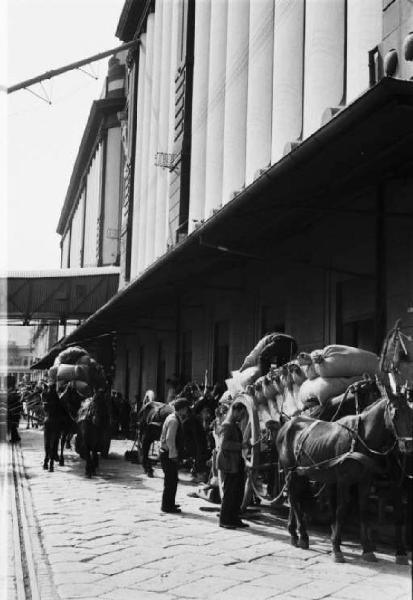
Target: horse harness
330	463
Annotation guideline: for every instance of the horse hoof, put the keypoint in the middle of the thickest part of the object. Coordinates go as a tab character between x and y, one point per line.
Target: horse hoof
62	463
401	559
369	557
304	544
51	469
45	467
294	541
338	557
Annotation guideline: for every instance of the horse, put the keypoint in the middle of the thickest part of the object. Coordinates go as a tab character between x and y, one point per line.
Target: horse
32	400
93	424
340	454
73	377
59	425
150	421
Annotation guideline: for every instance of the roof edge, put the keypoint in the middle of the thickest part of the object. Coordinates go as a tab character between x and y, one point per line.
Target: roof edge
98	111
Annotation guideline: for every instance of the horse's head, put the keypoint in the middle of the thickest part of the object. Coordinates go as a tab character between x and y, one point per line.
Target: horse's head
399	415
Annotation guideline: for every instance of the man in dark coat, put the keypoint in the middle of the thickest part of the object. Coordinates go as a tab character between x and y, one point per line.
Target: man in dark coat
14	410
171	442
231	465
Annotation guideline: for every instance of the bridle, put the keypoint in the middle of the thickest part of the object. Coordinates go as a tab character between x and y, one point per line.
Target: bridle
400	440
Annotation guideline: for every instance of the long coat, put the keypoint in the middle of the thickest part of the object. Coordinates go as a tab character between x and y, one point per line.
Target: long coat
229	459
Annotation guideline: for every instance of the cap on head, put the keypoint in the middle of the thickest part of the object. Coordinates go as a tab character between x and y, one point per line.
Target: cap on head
181	403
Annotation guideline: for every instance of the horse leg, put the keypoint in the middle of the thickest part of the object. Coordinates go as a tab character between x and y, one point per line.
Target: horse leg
62	445
146	444
46	437
292	513
89	464
53	449
95	461
339	498
304	493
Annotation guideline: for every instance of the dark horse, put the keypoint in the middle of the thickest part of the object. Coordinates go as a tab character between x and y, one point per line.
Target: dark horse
73	377
150	420
59	424
341	454
93	429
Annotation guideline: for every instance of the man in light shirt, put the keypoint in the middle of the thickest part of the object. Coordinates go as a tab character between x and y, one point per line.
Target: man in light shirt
171	448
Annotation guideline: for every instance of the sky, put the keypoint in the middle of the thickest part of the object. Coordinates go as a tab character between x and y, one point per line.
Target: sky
42	139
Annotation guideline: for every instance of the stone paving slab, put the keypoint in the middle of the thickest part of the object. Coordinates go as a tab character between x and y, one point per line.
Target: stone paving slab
106	539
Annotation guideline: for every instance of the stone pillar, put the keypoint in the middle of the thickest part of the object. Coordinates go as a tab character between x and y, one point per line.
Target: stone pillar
153	171
216	106
143	192
177	10
163	130
236	95
324	68
260	68
364	32
137	197
287	110
199	113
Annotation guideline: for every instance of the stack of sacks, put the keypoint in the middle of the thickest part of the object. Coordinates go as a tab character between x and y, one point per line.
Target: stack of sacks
76	366
288	380
275	348
330	371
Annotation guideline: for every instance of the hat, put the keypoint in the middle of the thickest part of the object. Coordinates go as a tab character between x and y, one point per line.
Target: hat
181	403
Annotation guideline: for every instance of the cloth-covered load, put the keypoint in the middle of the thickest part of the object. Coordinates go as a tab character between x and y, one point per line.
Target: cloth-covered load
274	348
74	365
344	361
323	388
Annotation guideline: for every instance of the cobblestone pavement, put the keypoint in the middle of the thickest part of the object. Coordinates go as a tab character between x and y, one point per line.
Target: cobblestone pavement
106	538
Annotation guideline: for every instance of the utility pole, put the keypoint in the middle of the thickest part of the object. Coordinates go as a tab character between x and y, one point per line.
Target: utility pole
76	65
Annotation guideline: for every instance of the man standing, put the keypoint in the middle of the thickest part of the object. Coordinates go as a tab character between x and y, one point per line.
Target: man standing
231	464
171	449
14	410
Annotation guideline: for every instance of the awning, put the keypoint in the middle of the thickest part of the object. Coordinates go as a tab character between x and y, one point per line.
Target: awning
364	143
57	295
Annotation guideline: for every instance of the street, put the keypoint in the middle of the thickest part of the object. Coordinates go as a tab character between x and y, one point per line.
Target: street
105	538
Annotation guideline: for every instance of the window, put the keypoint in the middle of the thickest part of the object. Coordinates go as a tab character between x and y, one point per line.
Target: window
186	356
221	352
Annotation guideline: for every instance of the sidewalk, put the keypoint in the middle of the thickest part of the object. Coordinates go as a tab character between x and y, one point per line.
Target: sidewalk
105	538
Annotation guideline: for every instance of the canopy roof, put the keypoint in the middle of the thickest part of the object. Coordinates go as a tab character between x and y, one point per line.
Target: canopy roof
363	144
58	294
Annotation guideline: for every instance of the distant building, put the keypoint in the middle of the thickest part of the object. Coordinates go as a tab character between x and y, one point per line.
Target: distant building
267	184
15	362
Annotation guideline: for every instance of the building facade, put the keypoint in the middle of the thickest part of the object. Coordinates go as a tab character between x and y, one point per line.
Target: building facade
89	223
267	183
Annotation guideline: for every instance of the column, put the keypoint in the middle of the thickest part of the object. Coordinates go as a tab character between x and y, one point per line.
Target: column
199	113
137	197
364	32
177	11
324	67
260	67
236	95
145	144
287	109
216	106
163	130
153	171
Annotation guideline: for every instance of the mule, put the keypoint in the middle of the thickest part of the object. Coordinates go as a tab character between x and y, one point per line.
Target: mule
34	407
59	424
341	454
93	425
